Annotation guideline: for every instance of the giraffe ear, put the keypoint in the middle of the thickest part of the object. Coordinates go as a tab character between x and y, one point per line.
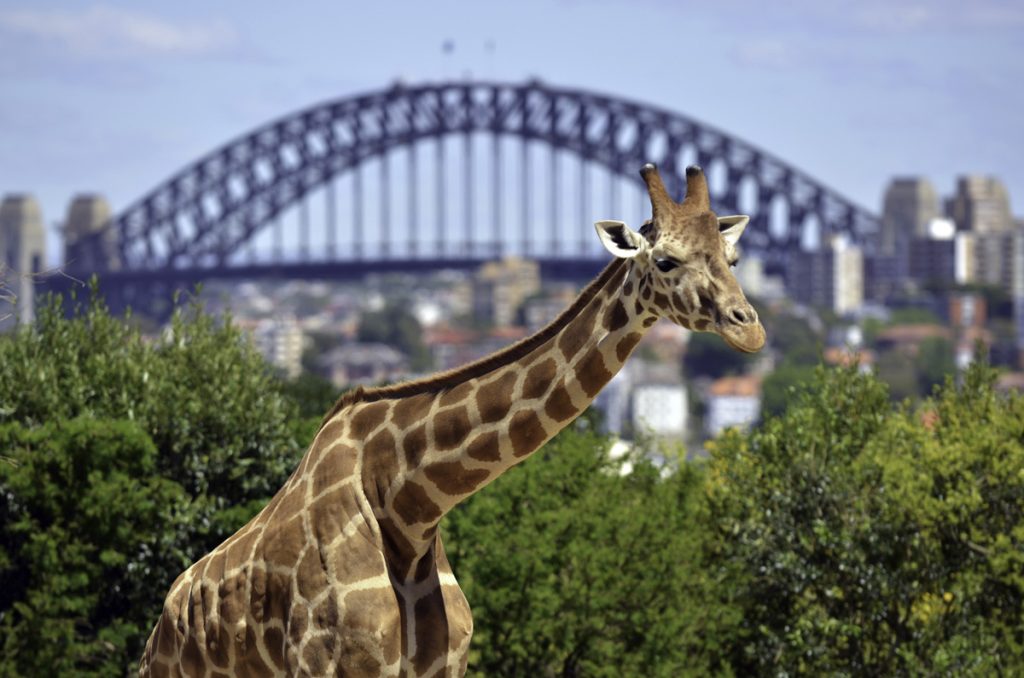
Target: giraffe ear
620	239
731	227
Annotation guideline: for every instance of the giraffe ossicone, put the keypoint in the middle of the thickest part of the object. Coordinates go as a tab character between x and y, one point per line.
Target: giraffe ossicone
343	572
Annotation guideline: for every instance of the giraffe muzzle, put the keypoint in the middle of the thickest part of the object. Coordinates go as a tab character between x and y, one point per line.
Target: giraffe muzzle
739	326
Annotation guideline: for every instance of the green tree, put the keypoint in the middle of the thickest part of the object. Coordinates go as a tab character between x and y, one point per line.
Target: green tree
781	385
86	525
205	401
933	363
913	315
708	356
313	394
865	541
572	568
396	326
793	338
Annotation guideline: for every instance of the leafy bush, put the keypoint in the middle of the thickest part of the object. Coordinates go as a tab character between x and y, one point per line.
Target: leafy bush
196	409
574	569
870	542
86	528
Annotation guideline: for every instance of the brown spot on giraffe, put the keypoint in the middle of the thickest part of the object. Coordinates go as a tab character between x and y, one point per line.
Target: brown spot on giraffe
456	394
616	317
410	411
494	398
451	477
414	505
344	569
451	428
626	345
526	432
539	378
367	418
559	405
577	335
592	373
414	445
380	464
484	447
336	465
430	635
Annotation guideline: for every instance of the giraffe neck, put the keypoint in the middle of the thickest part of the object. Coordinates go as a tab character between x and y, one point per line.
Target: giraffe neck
456	441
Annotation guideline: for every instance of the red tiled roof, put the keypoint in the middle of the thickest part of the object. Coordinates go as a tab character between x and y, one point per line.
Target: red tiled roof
736	386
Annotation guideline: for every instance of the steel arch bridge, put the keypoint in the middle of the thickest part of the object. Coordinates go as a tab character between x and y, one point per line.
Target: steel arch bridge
201	216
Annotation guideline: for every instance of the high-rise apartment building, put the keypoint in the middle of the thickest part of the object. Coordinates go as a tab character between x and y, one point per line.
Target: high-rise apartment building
981	205
1017	285
909	205
943	256
832	277
88	245
22	255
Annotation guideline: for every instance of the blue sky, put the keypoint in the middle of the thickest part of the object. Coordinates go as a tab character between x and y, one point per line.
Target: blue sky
114	97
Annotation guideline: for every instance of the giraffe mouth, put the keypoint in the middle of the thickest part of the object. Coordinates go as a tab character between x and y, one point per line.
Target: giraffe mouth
747	339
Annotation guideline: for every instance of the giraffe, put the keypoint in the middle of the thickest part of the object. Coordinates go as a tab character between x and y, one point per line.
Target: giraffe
344	572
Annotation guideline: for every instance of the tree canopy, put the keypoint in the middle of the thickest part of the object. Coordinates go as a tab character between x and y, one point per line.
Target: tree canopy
844	536
122	460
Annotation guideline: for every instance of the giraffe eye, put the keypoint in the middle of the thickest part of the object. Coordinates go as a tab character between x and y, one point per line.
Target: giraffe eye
666	265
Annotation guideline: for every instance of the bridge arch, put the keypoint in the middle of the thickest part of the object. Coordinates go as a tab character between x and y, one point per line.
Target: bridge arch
207	210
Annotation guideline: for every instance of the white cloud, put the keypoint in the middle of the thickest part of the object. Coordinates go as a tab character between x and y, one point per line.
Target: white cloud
956	15
101	31
771	53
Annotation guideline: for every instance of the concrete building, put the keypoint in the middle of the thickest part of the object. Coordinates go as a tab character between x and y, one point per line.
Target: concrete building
832	277
756	282
1017	287
732	401
280	341
613	401
909	204
980	205
994	260
883	276
661	409
88	245
501	287
358	363
647	397
943	256
22	256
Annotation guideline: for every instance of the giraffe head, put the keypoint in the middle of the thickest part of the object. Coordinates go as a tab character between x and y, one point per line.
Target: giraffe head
683	258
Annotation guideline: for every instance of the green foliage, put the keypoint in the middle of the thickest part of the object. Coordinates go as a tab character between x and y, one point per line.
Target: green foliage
841	538
897	370
86	528
870	542
396	326
934	361
707	355
313	394
793	338
221	437
574	569
781	386
913	315
224	436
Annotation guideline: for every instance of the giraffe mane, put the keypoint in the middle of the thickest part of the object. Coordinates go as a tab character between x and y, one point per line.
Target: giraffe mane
455	376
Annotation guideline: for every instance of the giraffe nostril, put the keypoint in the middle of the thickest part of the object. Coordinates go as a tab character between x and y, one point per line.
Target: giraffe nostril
739	316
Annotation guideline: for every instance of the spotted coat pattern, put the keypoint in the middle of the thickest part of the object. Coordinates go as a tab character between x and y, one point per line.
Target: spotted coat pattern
344	572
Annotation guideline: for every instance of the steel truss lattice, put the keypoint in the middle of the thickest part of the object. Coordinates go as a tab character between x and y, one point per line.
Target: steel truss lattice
209	209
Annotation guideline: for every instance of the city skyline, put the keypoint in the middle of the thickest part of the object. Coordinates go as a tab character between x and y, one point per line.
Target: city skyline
115	98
